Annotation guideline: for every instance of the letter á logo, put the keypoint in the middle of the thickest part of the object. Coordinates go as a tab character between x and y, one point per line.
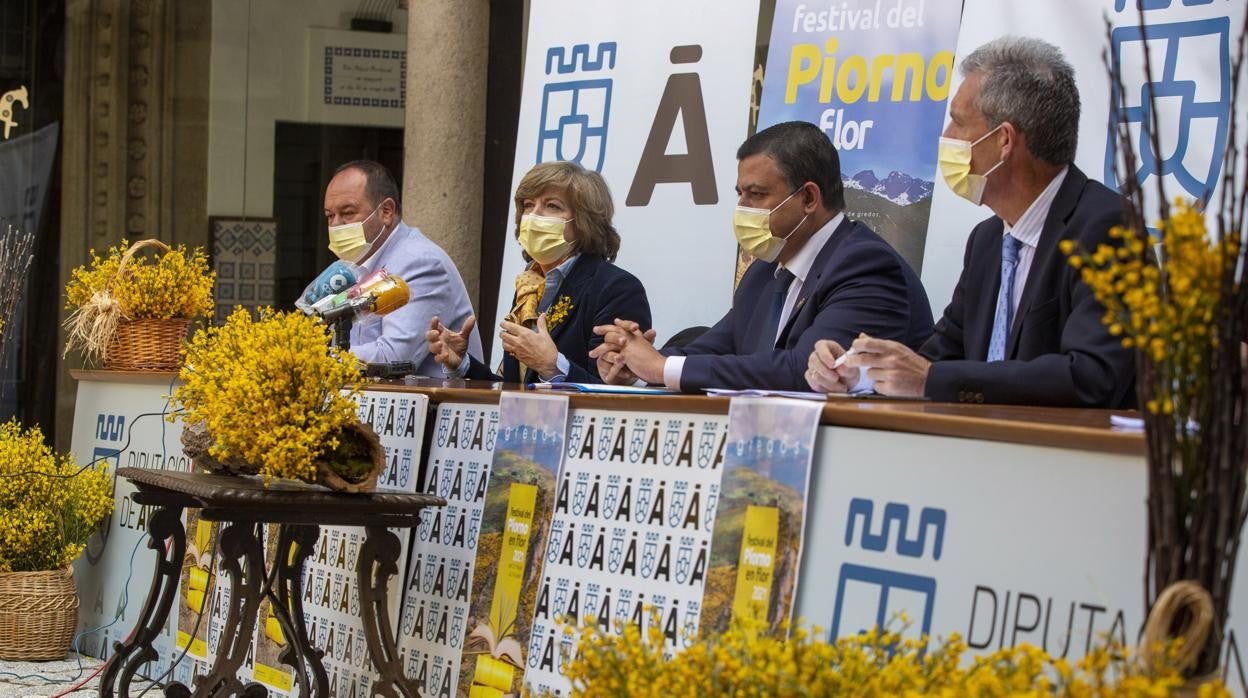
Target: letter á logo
575	113
1189	110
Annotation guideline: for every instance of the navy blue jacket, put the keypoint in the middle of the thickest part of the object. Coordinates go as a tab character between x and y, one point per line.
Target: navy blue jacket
599	292
858	283
1058	353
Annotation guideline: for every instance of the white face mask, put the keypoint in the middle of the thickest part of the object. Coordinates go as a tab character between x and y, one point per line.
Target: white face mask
954	158
752	226
348	242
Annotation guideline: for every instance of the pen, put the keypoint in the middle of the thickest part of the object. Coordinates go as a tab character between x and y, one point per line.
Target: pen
840	360
538	386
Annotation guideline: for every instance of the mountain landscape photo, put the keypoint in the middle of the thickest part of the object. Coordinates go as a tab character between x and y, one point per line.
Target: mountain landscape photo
895	207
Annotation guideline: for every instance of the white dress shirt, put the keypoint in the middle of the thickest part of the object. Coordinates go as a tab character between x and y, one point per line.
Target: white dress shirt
1027	230
799	266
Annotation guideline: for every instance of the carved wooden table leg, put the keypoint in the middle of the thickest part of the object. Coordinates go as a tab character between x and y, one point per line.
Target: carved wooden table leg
164	525
295	544
243	559
378	562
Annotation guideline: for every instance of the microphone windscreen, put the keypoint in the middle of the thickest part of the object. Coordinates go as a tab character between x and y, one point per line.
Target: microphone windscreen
390	295
336	278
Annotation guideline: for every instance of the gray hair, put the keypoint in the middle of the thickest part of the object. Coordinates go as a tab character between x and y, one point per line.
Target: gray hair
1028	83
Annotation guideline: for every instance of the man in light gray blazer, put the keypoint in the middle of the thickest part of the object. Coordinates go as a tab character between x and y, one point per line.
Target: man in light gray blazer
363	213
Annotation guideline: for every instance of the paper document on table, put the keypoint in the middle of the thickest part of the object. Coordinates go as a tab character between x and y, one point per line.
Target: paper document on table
1124	422
603	388
755	392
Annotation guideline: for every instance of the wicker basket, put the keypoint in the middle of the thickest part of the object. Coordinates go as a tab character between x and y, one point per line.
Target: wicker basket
38	614
146	345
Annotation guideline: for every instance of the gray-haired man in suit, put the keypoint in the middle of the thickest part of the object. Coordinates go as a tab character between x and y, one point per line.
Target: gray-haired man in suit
363	214
1022	327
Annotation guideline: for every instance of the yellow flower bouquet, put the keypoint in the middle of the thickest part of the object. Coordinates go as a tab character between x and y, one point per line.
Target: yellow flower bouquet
875	664
267	396
132	311
48	508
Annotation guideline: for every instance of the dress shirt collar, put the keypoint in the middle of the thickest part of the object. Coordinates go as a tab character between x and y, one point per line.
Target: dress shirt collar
554	279
559	273
1029	225
801	263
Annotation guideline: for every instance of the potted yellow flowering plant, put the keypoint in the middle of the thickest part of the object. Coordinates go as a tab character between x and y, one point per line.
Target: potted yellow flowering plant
48	508
132	311
1176	294
267	397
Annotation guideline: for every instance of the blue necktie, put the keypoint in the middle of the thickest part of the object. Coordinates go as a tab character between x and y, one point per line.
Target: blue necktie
766	340
1004	317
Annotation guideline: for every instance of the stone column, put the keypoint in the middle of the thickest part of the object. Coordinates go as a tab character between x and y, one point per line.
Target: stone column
444	149
134	149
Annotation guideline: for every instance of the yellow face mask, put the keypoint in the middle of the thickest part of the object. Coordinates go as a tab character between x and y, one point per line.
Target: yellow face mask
348	242
542	237
752	226
954	158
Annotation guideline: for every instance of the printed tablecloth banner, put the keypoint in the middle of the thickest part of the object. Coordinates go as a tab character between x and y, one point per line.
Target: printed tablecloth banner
631	535
438	586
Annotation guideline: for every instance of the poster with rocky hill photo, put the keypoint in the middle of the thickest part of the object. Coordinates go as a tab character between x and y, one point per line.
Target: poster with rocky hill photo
515	526
761	513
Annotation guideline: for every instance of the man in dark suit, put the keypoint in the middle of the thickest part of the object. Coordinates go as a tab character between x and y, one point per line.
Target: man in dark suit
1022	327
817	274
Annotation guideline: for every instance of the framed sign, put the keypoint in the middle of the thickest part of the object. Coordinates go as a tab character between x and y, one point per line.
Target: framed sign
356	77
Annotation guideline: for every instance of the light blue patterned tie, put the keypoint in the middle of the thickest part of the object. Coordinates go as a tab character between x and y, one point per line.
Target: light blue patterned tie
1004	317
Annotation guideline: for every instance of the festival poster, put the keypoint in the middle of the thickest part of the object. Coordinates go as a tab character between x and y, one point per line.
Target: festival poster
515	526
631	536
195	608
761	514
437	588
270	640
875	76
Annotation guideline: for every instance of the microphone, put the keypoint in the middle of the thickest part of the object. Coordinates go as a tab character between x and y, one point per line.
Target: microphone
336	278
379	293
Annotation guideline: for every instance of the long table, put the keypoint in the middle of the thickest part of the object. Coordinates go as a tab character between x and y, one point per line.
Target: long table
1004	524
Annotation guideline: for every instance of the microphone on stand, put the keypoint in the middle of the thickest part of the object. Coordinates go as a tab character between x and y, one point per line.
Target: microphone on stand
377	294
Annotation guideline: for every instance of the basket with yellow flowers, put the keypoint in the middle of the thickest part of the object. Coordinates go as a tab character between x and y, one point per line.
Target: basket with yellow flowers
131	311
48	508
